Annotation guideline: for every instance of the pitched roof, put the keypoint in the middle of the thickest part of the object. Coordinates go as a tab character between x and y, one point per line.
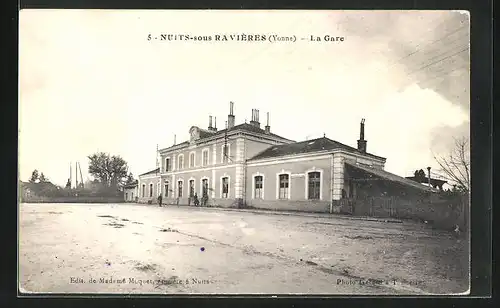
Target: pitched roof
204	134
131	185
157	170
308	146
389	176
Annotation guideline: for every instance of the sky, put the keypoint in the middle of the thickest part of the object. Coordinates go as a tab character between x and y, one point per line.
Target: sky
90	80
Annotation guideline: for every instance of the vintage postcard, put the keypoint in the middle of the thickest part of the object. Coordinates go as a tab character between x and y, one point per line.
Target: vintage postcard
244	152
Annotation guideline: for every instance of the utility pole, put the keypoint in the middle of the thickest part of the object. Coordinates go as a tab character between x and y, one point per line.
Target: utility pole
76	175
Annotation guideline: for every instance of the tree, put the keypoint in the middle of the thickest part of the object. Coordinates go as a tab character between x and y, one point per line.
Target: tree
34	177
456	165
42	178
110	171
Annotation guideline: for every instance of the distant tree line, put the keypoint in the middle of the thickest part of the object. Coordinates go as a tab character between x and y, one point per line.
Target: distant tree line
109	172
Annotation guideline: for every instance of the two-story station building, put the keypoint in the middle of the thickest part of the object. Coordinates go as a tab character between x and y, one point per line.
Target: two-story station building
245	165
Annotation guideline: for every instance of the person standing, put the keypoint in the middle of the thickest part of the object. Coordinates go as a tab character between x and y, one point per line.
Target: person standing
159	200
196	201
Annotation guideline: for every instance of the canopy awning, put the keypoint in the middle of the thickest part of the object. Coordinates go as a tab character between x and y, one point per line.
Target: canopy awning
366	173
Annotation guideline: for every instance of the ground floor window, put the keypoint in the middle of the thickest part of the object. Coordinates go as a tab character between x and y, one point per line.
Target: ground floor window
258	186
225	187
166	190
132	196
150	190
143	190
204	185
191	188
179	185
284	183
126	196
314	182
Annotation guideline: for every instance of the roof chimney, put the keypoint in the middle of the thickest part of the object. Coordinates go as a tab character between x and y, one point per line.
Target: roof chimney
268	128
362	141
210	128
230	117
255	118
215	123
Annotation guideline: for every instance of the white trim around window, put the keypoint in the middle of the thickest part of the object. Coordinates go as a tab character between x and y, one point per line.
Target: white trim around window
165	167
228	186
143	191
179	166
253	184
151	195
278	183
166	183
176	192
192	162
201	186
194	186
207	150
314	169
158	189
228	152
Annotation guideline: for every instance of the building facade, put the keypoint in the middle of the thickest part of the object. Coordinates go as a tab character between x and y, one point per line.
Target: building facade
247	166
131	192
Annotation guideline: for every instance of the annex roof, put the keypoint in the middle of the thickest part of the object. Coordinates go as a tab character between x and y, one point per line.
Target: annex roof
157	170
131	185
308	146
374	172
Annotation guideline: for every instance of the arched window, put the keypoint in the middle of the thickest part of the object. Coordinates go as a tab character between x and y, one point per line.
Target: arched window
166	189
179	188
225	187
204	188
314	185
181	161
259	181
284	184
204	157
143	190
191	160
167	164
191	188
150	190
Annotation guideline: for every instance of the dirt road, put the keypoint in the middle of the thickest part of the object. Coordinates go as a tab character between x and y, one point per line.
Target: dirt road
127	248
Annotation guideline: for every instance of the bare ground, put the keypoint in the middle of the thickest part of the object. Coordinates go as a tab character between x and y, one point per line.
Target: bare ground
106	248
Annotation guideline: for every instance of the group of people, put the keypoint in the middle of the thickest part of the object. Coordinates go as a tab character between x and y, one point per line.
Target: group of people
195	199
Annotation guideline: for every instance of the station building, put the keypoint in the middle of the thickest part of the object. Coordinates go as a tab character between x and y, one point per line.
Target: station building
248	166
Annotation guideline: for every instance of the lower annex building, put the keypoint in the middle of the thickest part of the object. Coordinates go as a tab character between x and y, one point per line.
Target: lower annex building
247	166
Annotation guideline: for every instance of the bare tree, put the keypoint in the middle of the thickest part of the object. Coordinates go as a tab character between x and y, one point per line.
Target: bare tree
456	165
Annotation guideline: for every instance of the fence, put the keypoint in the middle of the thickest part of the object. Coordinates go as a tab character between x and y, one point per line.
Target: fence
444	213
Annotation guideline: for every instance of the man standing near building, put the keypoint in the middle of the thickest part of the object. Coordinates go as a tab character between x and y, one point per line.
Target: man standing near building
159	200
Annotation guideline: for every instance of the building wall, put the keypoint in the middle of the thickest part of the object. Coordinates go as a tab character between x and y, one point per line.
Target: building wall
298	188
214	155
130	194
147	180
212	174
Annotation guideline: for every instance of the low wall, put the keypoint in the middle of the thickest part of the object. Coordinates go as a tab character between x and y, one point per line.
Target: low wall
291	205
85	199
